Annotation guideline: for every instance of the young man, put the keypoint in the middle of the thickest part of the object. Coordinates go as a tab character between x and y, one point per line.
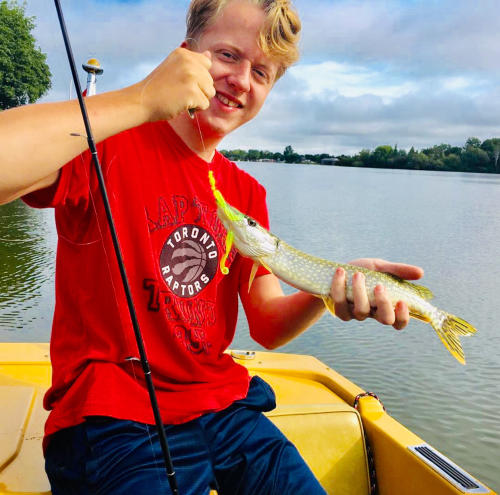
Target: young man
155	161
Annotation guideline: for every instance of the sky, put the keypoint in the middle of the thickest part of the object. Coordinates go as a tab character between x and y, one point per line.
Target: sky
372	72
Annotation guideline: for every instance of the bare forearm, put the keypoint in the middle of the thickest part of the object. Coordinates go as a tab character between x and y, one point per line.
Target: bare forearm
287	317
36	140
275	319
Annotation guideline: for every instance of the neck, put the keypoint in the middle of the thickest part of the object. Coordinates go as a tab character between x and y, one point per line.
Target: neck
189	131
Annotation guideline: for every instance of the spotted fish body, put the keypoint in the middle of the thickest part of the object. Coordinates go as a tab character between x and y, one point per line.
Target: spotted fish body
314	275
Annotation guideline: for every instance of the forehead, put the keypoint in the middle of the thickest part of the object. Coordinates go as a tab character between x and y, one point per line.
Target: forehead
239	25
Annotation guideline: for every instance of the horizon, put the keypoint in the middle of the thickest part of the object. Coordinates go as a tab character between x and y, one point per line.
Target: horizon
372	72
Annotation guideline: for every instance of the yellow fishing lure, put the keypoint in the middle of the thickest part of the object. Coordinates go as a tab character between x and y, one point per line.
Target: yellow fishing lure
221	202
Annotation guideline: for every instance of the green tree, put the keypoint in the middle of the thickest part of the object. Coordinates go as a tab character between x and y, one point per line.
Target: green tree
472	142
363	157
381	156
452	162
418	161
290	155
476	160
278	156
24	73
253	155
492	147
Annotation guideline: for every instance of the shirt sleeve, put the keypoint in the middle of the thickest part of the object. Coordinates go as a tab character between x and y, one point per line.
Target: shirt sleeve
76	183
71	187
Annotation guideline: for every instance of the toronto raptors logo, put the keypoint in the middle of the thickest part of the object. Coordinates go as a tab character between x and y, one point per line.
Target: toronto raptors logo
188	260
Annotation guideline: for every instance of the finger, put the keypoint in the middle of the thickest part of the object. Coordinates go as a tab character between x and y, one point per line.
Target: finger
385	311
402	270
200	102
207	86
337	292
361	303
208	54
402	315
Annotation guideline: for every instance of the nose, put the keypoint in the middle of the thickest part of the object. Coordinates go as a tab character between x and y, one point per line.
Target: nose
239	78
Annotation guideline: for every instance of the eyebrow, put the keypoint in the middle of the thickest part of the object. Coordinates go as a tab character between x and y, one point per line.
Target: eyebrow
241	54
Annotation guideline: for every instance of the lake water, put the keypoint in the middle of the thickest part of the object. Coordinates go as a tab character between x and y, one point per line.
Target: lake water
448	223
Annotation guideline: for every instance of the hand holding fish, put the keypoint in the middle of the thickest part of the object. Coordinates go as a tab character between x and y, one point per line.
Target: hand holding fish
180	83
316	276
384	311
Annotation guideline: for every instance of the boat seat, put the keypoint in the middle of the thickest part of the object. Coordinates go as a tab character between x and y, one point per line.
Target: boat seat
330	438
21	433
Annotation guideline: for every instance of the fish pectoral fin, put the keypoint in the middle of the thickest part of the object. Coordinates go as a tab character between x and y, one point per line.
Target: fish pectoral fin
255	267
329	304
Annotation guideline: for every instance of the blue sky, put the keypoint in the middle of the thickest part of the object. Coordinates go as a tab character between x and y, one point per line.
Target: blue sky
372	71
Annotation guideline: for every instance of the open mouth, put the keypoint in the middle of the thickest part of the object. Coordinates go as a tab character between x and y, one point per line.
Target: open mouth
228	102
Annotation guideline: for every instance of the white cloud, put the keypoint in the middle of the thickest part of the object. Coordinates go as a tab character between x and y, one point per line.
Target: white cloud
329	79
373	71
125	37
418	37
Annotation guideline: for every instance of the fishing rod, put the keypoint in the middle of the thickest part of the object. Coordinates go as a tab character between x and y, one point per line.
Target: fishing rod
133	316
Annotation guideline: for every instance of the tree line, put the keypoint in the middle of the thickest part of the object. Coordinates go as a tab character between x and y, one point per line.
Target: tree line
25	77
288	156
474	156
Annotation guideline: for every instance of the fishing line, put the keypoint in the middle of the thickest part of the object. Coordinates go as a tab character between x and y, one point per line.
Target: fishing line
137	332
128	345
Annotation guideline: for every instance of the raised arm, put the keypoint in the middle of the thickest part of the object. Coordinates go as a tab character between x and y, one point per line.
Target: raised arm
36	141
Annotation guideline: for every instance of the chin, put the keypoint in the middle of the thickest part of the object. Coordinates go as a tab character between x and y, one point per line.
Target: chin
217	127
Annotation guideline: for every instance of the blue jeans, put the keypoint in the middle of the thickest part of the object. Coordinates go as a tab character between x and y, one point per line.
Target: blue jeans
237	451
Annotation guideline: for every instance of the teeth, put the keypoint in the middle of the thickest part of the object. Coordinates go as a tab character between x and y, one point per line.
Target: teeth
226	101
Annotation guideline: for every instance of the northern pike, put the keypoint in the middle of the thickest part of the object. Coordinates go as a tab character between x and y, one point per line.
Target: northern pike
314	275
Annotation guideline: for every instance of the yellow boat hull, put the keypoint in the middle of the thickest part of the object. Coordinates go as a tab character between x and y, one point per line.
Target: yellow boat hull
314	410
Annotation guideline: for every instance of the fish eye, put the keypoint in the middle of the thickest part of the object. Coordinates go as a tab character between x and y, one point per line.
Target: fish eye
251	222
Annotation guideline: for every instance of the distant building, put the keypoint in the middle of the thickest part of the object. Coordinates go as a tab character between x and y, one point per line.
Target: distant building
329	161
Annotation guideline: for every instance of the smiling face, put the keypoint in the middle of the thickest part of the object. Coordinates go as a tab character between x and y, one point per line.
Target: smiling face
243	75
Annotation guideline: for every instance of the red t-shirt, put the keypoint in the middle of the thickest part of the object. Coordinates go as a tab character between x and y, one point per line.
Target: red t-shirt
172	242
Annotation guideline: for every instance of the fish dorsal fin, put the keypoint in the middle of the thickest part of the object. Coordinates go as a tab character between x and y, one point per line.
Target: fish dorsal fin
422	291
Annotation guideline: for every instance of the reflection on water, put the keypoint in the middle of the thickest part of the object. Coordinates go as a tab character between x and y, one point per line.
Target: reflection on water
448	223
27	251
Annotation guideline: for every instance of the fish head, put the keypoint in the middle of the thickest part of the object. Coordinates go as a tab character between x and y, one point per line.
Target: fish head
250	238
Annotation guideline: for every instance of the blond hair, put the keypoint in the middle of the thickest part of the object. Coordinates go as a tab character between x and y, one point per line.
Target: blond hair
279	35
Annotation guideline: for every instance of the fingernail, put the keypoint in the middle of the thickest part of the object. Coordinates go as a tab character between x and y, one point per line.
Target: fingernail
339	271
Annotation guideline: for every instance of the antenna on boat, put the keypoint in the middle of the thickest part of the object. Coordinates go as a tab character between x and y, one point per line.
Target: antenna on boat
128	294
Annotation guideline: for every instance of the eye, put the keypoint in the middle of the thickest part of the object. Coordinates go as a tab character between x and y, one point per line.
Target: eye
251	222
261	74
227	55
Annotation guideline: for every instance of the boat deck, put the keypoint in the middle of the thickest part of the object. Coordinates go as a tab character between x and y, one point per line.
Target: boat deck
314	410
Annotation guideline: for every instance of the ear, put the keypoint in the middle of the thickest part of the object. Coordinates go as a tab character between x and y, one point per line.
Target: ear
184	44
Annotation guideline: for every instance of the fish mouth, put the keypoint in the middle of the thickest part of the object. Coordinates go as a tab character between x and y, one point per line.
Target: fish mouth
229	217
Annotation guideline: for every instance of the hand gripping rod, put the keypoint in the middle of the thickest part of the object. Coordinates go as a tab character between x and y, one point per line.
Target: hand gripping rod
137	331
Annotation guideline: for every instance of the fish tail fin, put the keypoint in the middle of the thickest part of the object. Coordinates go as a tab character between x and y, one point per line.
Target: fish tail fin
449	329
